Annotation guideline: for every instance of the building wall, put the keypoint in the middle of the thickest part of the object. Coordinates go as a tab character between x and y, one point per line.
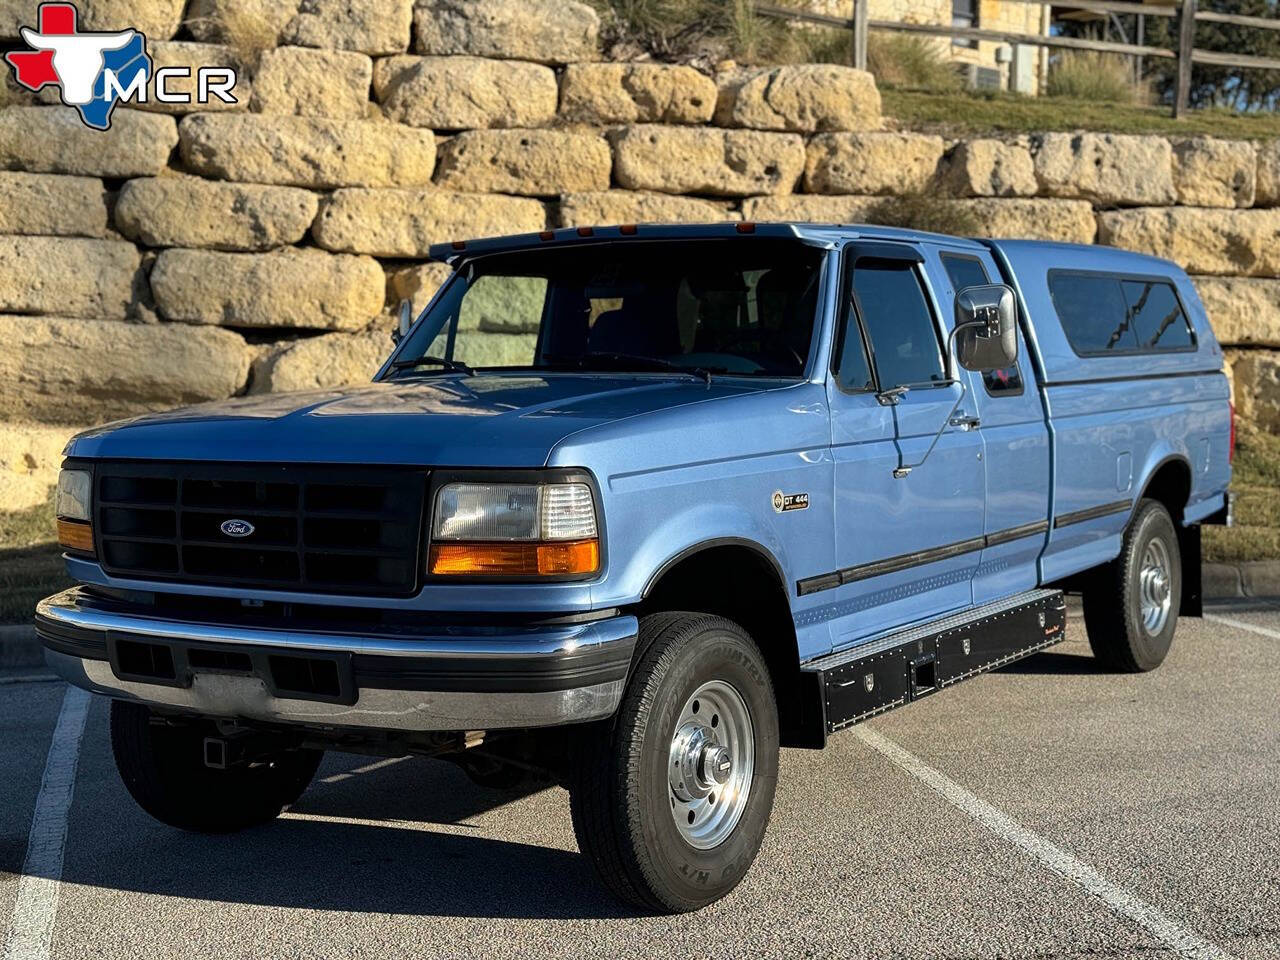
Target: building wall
1028	18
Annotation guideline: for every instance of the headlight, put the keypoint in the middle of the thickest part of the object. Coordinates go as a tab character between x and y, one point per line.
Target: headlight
74	488
514	529
72	507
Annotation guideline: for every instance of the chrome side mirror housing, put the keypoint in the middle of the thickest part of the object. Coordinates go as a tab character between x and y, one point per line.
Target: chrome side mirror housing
986	328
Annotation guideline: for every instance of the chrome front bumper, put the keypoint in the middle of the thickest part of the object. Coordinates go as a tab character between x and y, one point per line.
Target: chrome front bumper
389	678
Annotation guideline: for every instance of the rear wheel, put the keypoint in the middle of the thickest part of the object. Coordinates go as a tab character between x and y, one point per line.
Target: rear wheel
671	799
162	765
1131	604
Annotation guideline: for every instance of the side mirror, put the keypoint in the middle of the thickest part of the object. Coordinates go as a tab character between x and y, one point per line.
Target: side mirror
405	322
986	328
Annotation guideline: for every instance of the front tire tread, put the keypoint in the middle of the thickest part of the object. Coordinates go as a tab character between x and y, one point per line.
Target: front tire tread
606	808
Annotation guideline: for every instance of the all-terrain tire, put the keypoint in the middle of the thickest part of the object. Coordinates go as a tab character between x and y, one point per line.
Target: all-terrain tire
1114	597
162	766
624	807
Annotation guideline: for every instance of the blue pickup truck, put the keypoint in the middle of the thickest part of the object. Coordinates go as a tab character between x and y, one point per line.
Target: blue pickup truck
731	488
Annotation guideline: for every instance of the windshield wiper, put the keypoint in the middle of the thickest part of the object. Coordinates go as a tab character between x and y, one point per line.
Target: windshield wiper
451	366
636	358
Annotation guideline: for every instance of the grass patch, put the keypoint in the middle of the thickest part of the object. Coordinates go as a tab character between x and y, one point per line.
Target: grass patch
1256	535
248	34
909	62
1257	457
964	114
1240	544
1100	77
705	30
31	565
923	212
248	28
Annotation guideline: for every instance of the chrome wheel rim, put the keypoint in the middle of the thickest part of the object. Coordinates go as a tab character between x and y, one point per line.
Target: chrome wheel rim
1155	587
712	759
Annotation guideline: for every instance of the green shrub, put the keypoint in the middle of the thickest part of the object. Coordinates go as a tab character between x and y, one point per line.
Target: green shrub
910	62
644	21
711	30
923	212
1097	77
31	566
1257	456
1256	535
824	45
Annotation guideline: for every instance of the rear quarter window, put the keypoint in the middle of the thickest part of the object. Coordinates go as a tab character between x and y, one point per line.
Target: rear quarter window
1108	314
966	271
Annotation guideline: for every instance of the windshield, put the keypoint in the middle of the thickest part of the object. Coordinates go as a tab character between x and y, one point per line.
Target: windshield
742	306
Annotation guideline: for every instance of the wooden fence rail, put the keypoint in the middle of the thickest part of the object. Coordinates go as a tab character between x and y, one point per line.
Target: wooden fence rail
1185	10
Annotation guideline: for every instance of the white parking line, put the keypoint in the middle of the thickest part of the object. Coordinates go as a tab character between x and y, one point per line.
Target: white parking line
36	906
1181	940
1241	625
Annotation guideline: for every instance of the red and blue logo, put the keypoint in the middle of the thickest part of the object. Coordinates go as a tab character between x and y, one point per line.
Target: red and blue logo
93	71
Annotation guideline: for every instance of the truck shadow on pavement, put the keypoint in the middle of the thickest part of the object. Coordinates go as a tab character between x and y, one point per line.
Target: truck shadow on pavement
1053	662
316	858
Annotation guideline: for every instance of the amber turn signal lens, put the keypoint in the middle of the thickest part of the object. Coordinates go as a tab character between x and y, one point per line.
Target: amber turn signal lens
75	535
515	559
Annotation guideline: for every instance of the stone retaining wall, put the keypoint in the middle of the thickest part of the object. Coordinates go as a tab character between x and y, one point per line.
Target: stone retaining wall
189	256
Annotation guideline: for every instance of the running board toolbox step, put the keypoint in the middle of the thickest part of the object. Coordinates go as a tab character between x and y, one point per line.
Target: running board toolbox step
874	677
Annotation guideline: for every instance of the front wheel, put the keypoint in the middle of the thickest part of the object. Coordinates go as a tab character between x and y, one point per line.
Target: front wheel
1131	604
671	799
161	762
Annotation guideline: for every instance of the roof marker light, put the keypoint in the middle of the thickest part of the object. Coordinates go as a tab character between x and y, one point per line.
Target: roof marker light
627	229
459	244
746	227
547	235
585	231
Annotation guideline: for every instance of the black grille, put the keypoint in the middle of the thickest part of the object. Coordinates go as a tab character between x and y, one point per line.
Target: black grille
349	529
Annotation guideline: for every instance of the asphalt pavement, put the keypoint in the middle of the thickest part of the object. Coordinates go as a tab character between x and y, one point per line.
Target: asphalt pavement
1048	810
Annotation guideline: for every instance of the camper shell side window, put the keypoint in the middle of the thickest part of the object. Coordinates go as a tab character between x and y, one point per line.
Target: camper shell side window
1109	314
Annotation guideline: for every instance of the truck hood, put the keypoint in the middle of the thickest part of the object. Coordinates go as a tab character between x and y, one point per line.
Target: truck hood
489	420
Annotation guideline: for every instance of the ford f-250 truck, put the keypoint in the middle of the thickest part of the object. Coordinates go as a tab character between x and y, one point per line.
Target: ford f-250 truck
729	488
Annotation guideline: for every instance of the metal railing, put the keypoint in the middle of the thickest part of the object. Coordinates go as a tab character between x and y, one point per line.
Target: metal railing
1186	55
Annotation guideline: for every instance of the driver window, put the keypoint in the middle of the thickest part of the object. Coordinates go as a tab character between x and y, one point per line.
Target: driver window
898	322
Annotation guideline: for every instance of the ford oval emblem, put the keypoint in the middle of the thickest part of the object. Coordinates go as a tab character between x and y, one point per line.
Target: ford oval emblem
236	528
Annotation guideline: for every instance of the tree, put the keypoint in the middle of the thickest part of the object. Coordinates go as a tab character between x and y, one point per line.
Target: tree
1213	86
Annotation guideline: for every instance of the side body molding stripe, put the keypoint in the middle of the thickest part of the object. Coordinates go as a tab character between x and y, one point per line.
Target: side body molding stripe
838	578
1091	513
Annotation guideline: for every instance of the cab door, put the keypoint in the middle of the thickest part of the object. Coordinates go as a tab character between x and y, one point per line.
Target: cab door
1015	443
907	546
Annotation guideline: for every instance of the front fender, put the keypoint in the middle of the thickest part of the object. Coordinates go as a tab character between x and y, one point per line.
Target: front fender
684	533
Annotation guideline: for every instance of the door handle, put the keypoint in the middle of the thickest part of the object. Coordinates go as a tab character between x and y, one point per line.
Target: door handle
964	422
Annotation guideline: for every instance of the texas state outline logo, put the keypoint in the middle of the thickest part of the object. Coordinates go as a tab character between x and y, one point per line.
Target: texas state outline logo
93	71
